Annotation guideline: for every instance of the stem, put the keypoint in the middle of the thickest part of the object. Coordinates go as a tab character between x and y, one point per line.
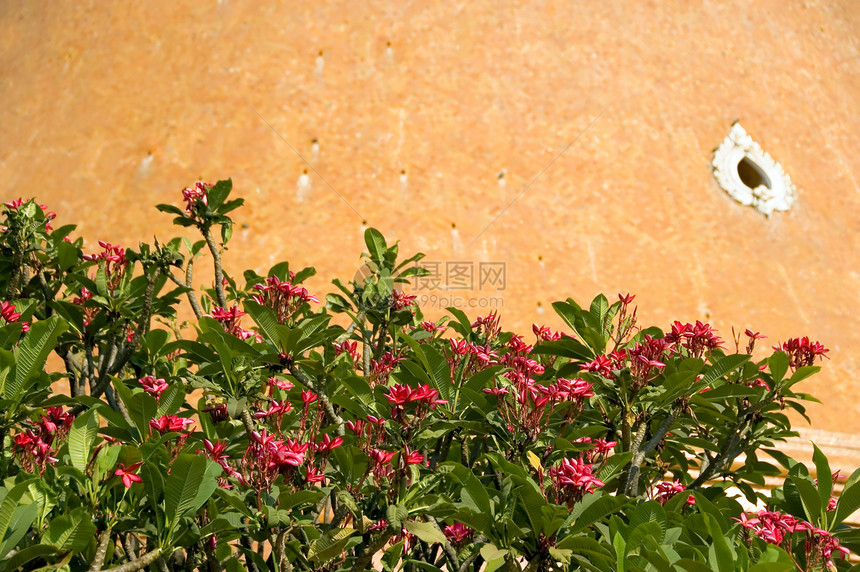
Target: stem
247	422
130	544
365	353
323	397
138	564
219	274
479	539
362	561
446	546
47	293
511	564
640	451
101	551
16	272
280	549
211	560
249	563
192	299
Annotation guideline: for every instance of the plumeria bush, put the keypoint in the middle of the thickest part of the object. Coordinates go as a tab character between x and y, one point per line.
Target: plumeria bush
281	431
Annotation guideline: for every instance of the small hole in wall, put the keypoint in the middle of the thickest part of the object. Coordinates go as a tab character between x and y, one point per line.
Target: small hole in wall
752	175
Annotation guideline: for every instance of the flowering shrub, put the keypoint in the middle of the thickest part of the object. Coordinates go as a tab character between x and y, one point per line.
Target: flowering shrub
284	433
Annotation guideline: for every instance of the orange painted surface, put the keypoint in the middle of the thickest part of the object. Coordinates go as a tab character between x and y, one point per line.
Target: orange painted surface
110	108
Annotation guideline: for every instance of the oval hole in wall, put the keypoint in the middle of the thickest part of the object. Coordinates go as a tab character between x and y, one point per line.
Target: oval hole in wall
752	175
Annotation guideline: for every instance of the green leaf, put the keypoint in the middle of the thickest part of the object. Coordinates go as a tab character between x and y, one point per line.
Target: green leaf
587	513
396	514
82	437
171	400
426	531
375	242
778	365
329	545
22	518
191	482
641	533
649	511
219	192
170	209
585	546
809	498
824	475
599	307
849	502
724	366
720	552
490	552
32	352
10	503
691	565
27	554
71	532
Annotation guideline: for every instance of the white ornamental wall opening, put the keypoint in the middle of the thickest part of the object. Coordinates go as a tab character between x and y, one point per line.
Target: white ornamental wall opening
750	176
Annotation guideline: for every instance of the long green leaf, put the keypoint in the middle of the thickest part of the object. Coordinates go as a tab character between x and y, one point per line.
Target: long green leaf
71	532
849	502
375	242
724	366
32	351
26	555
22	518
82	437
191	482
10	503
825	479
329	545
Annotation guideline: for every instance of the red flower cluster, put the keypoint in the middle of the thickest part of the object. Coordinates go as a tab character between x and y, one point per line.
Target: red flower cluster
55	424
128	475
400	396
217	412
171	424
229	319
381	368
458	533
600	448
33	452
276	409
216	452
49	216
199	193
34	449
545	334
114	259
773	526
401	300
431	327
696	338
489	324
572	480
665	490
154	387
350	348
644	357
801	351
372	430
282	297
267	457
753	336
8	313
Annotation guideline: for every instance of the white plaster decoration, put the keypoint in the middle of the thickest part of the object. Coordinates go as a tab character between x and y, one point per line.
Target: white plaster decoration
751	176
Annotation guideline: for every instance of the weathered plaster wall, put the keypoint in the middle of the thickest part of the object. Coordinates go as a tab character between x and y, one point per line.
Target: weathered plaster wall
109	108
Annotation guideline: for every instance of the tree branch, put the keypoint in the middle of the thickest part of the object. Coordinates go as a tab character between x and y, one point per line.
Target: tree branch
219	273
